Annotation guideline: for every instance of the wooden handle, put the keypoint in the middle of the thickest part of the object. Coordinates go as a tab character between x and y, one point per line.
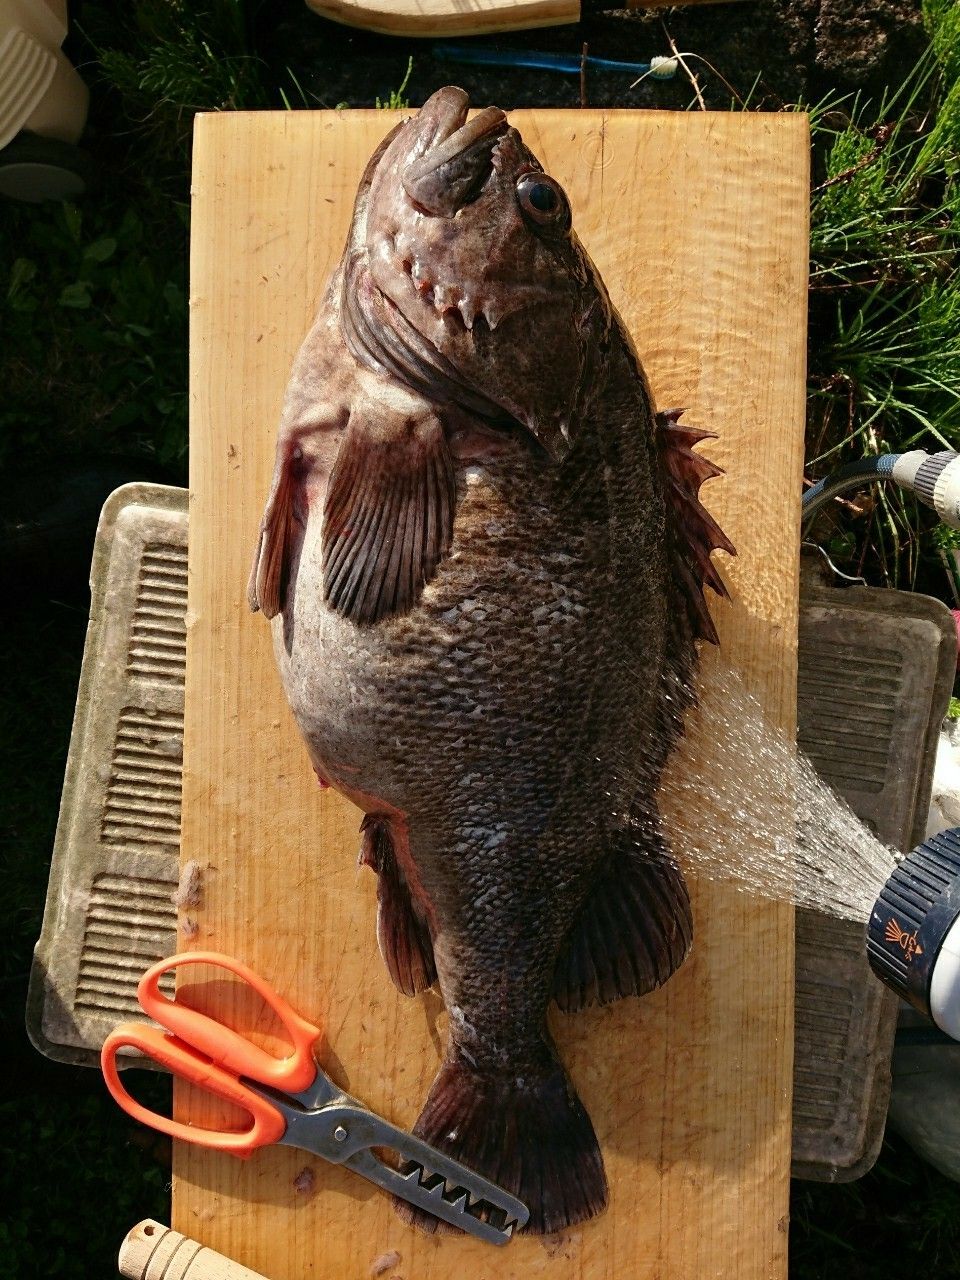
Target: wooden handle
154	1252
447	17
458	18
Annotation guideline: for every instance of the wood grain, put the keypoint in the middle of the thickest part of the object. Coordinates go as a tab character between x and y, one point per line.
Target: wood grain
461	17
699	226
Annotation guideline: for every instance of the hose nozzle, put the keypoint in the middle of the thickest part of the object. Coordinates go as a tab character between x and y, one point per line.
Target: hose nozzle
913	938
935	479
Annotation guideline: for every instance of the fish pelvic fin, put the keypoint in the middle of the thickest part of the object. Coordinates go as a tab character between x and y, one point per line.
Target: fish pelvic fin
404	937
632	933
695	532
270	572
531	1136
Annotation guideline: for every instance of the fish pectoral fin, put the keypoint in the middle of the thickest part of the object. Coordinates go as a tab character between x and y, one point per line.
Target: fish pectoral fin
403	935
388	518
269	575
632	933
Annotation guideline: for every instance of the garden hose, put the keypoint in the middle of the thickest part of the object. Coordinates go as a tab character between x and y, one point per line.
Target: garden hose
913	937
660	68
934	478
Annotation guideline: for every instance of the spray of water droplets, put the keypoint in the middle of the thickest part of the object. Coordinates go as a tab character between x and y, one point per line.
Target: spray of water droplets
740	804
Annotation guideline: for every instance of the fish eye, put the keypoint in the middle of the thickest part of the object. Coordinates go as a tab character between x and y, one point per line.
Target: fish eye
542	199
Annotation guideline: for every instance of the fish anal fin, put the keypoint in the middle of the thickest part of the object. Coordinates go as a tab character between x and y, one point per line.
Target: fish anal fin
695	534
403	936
632	933
388	516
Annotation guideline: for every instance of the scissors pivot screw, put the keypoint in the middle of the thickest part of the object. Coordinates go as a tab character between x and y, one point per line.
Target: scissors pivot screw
340	1133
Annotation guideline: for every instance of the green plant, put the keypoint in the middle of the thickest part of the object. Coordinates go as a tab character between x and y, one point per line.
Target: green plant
94	357
165	60
885	294
396	100
93	299
170	58
902	1216
942	19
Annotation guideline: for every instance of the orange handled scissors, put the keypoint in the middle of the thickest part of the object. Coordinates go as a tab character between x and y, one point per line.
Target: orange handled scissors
293	1102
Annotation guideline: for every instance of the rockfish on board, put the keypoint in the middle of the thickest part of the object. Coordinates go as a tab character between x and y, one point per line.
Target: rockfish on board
485	557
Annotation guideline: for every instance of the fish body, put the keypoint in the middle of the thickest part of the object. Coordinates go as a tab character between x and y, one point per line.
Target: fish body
484	558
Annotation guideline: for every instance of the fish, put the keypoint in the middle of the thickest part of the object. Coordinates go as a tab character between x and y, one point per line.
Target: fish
484	559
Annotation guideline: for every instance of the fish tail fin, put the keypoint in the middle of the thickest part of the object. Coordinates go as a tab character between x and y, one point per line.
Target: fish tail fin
531	1136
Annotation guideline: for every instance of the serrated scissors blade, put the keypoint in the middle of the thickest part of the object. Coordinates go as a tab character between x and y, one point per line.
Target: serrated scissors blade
466	1201
345	1132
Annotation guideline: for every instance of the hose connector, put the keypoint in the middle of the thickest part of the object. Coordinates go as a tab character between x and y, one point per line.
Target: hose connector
913	938
935	479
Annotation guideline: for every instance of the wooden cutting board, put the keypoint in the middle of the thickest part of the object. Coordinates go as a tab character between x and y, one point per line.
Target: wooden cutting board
462	17
699	226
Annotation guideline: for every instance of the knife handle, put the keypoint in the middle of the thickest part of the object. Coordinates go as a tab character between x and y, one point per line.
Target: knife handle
154	1252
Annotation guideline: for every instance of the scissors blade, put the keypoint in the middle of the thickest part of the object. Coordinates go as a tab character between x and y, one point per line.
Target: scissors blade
452	1193
345	1132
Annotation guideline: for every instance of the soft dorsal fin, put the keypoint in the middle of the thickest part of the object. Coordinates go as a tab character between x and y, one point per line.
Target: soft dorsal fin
633	930
695	533
388	517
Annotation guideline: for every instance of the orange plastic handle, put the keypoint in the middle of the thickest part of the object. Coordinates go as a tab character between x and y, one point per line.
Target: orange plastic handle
267	1124
223	1046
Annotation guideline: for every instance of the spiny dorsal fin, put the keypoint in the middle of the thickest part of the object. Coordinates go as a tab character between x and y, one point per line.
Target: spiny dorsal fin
695	532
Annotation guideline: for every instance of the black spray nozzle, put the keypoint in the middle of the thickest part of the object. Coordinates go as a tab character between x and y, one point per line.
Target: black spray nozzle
913	938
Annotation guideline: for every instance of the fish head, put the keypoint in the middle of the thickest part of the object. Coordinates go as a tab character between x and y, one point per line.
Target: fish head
470	244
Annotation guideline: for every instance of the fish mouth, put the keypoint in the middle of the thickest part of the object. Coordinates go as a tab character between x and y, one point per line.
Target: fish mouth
453	158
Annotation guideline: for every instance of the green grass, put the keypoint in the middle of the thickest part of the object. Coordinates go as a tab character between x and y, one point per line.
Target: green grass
93	305
94	322
395	99
885	298
902	1218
